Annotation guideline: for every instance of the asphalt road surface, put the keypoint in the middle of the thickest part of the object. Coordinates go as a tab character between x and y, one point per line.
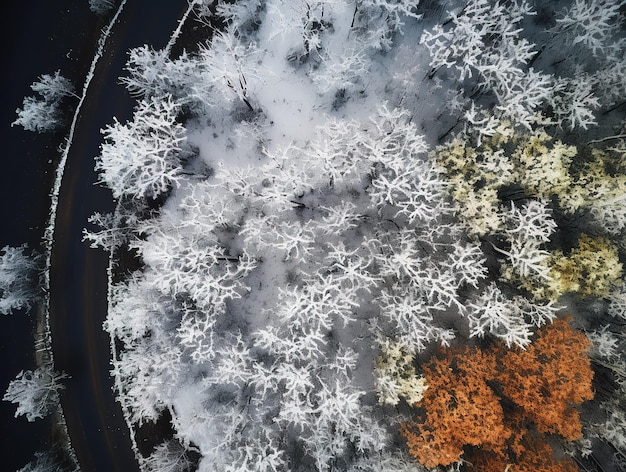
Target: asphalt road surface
78	281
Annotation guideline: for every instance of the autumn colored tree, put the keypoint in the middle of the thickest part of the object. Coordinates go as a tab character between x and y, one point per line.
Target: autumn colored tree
592	269
549	378
458	409
531	451
493	407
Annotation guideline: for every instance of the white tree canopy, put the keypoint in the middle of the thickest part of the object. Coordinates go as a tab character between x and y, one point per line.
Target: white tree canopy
35	392
47	461
17	274
142	158
101	6
169	456
44	114
53	87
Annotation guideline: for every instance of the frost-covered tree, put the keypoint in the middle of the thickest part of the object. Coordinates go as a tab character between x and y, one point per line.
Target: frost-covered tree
574	101
527	230
130	318
511	320
54	87
142	158
47	461
39	115
197	265
101	6
150	372
396	12
461	408
44	114
18	273
112	229
152	74
483	39
483	44
593	23
395	375
314	403
169	456
227	64
242	17
35	392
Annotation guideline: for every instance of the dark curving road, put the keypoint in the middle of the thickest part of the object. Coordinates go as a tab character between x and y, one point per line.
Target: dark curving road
78	282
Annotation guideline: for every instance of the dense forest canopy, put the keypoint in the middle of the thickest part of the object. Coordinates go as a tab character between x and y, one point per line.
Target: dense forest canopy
373	235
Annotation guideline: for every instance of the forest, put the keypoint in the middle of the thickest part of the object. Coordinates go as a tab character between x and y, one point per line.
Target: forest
365	235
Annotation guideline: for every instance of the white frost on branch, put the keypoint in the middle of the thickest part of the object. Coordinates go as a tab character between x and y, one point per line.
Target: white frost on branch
35	392
101	6
44	114
510	319
227	64
169	456
142	158
527	230
18	271
594	24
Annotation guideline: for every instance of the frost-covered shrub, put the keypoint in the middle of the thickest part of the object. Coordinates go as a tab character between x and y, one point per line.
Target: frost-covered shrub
101	6
36	392
18	272
169	456
44	114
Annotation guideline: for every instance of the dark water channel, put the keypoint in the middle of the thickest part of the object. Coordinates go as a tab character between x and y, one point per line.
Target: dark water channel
41	37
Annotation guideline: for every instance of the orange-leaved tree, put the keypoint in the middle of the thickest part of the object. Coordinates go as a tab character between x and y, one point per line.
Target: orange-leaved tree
493	407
